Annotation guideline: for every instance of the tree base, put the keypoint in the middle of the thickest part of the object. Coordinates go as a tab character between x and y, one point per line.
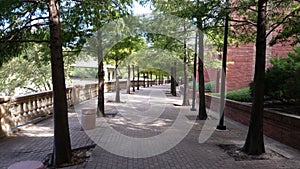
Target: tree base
201	117
221	127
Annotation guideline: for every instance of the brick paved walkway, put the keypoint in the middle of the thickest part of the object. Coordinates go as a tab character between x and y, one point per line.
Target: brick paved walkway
35	142
32	144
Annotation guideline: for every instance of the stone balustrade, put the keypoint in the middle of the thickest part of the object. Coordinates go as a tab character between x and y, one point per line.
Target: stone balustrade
17	111
20	110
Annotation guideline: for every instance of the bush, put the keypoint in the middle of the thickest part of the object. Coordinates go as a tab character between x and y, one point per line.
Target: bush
242	95
208	86
282	80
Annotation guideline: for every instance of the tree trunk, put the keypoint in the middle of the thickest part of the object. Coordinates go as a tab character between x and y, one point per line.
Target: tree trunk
138	80
133	82
185	101
217	85
148	83
194	73
128	80
254	144
100	110
173	85
117	99
62	144
150	78
144	80
202	109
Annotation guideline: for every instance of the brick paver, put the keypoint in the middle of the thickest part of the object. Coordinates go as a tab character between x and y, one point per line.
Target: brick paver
35	142
31	144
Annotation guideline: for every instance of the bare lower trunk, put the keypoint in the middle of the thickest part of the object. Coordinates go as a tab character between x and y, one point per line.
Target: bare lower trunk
133	82
61	144
148	79
128	80
100	110
117	99
254	144
185	101
144	80
173	82
138	80
202	108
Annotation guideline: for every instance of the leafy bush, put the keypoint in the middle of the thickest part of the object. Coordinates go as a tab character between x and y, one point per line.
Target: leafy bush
282	80
242	95
208	86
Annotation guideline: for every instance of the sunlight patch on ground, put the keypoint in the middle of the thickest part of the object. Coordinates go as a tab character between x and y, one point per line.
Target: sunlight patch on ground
37	131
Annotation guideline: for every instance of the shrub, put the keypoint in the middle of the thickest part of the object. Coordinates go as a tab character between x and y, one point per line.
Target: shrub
242	95
282	80
208	86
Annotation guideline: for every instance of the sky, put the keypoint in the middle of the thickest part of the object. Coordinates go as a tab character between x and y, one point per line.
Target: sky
139	10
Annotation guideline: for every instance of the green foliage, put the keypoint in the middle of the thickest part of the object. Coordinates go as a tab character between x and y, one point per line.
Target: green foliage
210	86
84	73
282	17
28	73
23	22
242	95
125	48
282	80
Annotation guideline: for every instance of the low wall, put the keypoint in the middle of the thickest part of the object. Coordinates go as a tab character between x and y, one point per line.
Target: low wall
17	111
282	127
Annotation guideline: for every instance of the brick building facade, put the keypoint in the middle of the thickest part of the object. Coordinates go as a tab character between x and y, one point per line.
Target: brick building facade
241	59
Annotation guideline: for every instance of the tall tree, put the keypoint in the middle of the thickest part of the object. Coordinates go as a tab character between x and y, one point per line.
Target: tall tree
120	51
23	21
254	142
31	12
205	14
96	15
261	15
185	101
62	144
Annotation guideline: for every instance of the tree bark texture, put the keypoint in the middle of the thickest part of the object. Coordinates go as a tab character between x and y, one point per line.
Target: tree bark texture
173	85
185	101
202	109
62	144
128	80
100	109
133	82
138	80
117	87
254	144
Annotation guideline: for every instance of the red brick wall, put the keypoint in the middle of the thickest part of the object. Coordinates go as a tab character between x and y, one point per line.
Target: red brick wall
240	72
240	64
279	126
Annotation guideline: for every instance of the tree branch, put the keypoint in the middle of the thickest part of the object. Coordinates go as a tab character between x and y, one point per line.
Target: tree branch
32	1
276	25
24	41
243	21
